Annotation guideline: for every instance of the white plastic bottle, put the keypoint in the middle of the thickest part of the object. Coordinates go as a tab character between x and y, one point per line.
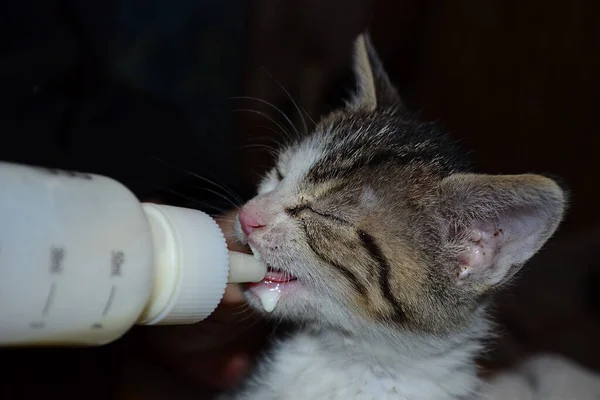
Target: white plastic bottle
82	261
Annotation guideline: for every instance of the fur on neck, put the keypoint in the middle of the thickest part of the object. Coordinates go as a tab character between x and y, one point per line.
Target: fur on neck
319	362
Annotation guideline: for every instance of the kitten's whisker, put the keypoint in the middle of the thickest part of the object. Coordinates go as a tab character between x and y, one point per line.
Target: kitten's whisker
232	202
293	102
250	326
273	331
223	209
258	174
228	191
272	151
222	186
267	117
276	142
192	200
259	145
270	105
244	310
244	318
286	139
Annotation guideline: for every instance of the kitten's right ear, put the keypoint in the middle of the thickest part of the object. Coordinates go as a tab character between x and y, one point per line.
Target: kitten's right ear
493	224
374	88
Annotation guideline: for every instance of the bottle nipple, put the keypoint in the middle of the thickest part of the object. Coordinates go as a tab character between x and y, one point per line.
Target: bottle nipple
245	268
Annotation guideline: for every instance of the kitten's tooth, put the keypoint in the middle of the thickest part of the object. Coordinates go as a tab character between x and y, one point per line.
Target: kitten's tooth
269	298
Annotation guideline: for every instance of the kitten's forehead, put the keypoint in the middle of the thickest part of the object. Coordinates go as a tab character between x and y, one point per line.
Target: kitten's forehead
348	145
296	161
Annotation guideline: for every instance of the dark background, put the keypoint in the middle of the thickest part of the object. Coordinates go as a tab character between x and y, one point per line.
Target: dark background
141	90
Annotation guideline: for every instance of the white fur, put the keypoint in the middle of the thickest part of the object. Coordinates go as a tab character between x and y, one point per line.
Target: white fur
294	164
545	377
332	366
327	364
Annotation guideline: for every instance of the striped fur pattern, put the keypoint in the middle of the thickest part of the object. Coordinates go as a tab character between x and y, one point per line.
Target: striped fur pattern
396	245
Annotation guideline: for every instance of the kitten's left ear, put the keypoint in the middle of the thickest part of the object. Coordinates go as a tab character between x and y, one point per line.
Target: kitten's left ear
493	224
374	88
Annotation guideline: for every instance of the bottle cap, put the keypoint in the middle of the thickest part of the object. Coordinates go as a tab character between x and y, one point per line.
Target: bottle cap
191	265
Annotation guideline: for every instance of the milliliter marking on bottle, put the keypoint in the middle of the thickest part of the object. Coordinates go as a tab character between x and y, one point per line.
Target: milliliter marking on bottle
109	302
47	305
37	325
49	299
117	258
57	256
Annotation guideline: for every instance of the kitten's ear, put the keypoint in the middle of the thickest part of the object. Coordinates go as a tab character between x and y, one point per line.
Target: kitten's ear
374	88
494	224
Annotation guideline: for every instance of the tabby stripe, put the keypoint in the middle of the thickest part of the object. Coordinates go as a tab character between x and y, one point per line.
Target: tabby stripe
375	252
326	168
360	288
369	161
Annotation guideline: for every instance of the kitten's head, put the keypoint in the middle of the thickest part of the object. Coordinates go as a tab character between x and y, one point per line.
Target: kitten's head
377	219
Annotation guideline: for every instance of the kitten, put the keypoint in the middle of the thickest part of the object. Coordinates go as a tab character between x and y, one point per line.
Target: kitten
383	250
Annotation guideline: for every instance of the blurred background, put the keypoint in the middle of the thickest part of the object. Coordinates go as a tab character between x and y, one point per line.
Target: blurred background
153	92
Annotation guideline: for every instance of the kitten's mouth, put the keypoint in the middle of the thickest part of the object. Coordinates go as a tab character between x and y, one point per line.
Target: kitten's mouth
270	289
279	276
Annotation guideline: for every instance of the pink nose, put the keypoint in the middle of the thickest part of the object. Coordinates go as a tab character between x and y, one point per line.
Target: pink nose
249	221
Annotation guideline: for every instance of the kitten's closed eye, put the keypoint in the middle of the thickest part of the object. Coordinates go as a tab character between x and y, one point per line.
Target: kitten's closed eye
294	212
